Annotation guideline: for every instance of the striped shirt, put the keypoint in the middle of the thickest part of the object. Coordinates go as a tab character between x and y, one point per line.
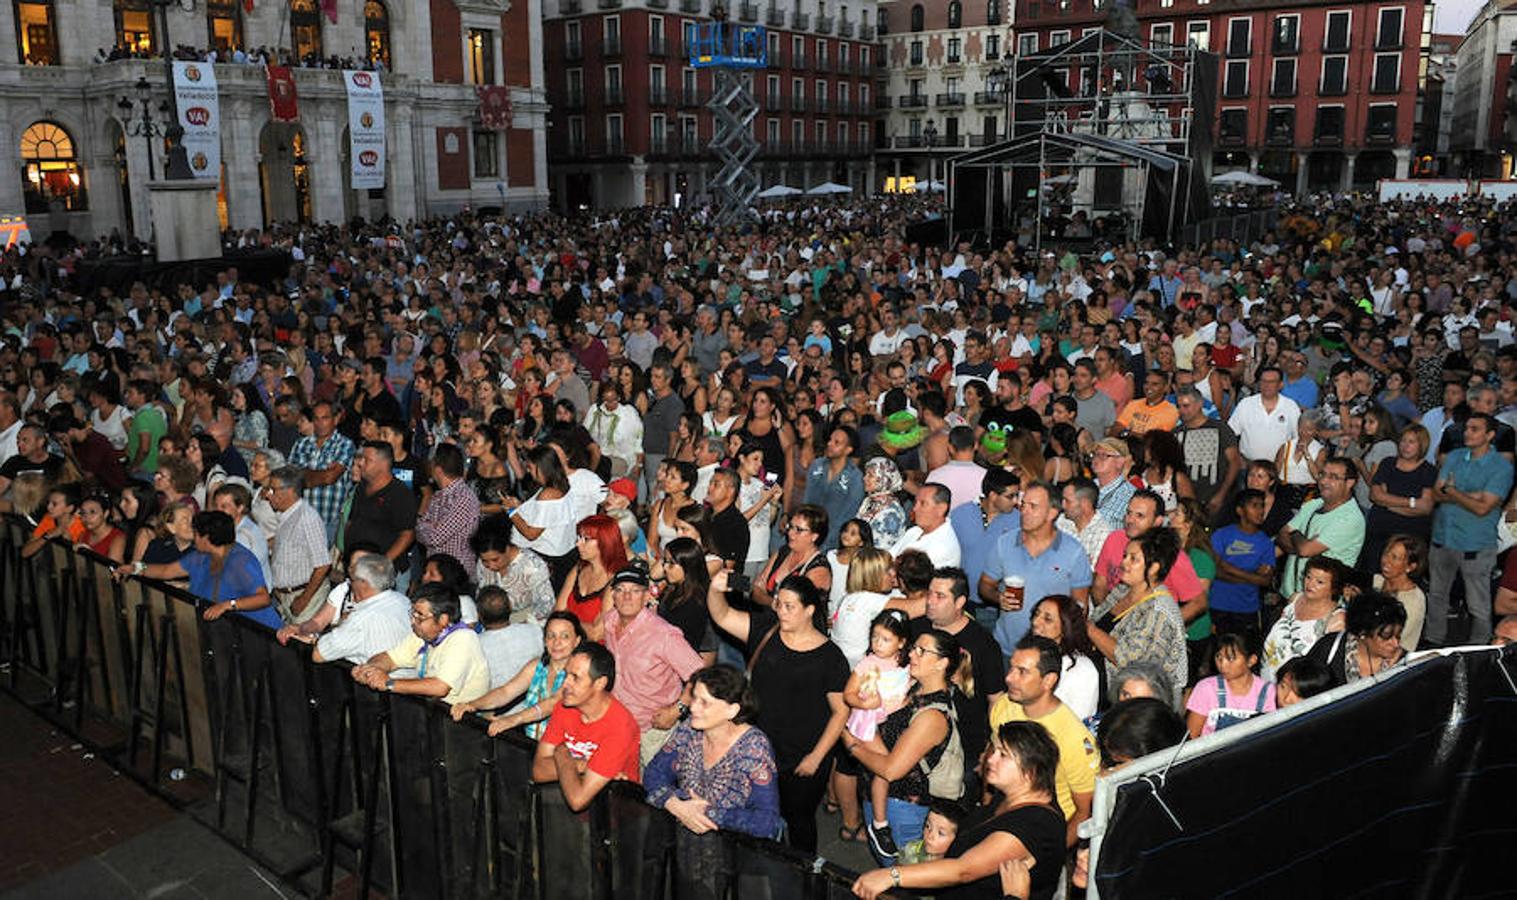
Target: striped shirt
300	547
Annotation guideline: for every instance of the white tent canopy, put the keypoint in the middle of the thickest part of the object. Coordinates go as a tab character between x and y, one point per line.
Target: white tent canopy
1242	178
779	190
935	186
830	187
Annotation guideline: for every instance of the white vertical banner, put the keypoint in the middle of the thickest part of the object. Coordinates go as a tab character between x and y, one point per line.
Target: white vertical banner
199	105
366	128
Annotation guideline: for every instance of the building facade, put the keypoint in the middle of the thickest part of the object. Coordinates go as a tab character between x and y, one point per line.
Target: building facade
1484	130
936	98
1317	95
72	114
630	124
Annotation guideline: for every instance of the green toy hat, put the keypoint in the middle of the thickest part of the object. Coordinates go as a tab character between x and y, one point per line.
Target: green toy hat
902	430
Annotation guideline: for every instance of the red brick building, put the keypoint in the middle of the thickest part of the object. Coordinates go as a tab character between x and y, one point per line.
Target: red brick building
629	124
1317	95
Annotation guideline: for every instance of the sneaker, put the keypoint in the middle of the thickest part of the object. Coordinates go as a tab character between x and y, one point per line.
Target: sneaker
880	842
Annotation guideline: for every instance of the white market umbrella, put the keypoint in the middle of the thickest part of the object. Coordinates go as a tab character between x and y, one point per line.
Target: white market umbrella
1059	179
1242	178
779	190
934	186
830	187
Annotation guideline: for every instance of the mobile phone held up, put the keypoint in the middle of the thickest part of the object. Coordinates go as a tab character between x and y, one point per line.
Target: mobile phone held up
739	583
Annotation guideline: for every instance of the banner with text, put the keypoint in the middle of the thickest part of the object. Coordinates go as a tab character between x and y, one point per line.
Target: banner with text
199	105
366	128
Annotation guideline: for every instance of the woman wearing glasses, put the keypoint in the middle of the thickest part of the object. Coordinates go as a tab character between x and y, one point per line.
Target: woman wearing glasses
801	555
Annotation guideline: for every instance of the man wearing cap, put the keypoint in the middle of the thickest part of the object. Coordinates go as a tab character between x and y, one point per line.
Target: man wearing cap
654	662
1109	462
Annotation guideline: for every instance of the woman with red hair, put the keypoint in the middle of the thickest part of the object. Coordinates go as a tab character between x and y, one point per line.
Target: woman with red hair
602	554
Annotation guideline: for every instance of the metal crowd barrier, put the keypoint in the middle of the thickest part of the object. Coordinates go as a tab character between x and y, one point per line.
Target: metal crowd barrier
320	779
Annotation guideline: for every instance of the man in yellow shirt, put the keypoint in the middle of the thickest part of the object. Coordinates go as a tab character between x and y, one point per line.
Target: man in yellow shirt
1030	680
449	662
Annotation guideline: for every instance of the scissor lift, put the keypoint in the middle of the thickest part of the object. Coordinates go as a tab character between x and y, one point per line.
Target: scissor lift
728	50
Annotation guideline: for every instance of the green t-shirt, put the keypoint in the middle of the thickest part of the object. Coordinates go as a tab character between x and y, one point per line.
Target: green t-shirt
151	421
1206	570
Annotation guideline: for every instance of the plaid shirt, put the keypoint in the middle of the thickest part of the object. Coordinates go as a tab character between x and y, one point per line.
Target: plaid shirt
308	455
449	522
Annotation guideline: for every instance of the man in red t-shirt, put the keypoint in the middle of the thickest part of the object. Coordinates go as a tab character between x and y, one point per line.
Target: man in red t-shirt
1144	511
591	738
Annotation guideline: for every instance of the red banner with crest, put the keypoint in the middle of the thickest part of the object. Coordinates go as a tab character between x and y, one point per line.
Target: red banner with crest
283	103
494	105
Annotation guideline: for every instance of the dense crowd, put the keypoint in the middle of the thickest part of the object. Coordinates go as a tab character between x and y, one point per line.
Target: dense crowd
805	513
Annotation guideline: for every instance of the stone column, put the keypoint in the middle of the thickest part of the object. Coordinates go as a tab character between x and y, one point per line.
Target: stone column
1403	161
11	196
328	180
1348	171
400	168
1303	158
240	153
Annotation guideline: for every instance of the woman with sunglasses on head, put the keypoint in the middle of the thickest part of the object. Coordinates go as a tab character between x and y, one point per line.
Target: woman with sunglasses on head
681	566
801	554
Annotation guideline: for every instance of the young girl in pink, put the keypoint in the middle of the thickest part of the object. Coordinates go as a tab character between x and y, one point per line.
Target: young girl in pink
877	688
1236	694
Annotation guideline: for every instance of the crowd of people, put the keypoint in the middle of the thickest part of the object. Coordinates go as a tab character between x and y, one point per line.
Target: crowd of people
803	524
253	56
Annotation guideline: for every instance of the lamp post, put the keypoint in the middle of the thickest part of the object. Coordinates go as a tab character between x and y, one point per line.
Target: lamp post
930	133
998	85
146	125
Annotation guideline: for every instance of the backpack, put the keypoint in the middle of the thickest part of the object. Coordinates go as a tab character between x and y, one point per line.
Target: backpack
945	780
1228	716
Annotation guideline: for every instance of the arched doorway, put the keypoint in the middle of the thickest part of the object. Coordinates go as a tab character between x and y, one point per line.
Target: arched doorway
284	173
51	173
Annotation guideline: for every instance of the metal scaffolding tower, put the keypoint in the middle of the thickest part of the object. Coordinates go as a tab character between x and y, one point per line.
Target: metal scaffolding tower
731	51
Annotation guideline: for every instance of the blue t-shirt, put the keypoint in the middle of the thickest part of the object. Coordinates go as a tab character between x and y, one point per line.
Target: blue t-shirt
1061	569
976	541
1244	551
1454	526
241	576
1303	390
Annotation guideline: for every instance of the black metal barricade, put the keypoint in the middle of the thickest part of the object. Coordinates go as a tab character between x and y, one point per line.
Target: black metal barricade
320	779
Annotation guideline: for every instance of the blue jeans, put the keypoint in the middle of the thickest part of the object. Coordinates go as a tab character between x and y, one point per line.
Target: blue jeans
906	820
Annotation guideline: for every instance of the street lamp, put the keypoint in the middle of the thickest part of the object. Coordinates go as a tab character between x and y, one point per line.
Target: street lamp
147	125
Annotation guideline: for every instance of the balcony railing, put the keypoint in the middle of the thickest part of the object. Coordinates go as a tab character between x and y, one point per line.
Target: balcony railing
575	100
1328	139
690	6
843	107
775	17
611	45
614	95
658	95
1231	138
691	97
912	101
823	105
824	64
1280	137
1388	42
845	28
798	60
866	33
797	104
615	146
982	140
608	4
1334	90
577	150
1378	134
569	8
658	4
800	21
658	45
951	99
824	24
953	59
774	103
748	12
658	144
574	52
986	98
881	101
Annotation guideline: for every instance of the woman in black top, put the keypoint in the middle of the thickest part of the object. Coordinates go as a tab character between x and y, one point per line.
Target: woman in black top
682	567
1024	824
799	676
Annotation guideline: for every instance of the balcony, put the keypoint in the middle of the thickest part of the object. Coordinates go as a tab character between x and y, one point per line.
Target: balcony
658	144
1379	135
863	68
569	8
691	97
574	52
955	98
912	101
575	100
608	4
881	101
845	28
775	17
615	146
658	45
611	45
823	106
1281	136
689	147
748	12
658	4
690	6
982	140
866	33
798	60
797	104
658	95
909	142
843	107
800	21
918	57
1328	139
774	103
577	150
776	148
986	98
824	24
949	142
824	64
953	59
614	95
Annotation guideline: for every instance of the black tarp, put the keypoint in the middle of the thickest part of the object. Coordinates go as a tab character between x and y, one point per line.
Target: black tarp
119	273
1405	789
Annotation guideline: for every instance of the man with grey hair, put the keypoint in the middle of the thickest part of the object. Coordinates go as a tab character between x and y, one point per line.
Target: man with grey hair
299	560
1142	678
708	341
376	618
1211	452
708	456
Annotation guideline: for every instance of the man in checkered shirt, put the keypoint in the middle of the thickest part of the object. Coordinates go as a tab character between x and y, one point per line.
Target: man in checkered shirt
325	456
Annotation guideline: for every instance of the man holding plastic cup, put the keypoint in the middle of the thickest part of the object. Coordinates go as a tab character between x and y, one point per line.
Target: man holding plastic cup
1031	564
